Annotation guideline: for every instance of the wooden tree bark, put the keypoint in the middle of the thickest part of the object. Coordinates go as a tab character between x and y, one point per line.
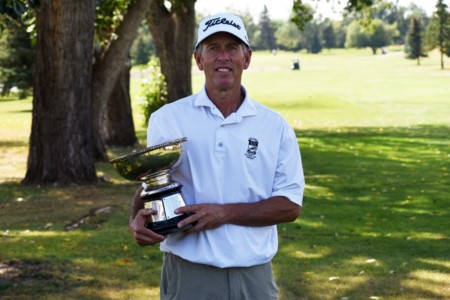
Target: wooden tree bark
60	143
173	32
108	67
118	126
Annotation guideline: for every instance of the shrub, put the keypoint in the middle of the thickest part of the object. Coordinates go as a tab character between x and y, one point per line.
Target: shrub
153	90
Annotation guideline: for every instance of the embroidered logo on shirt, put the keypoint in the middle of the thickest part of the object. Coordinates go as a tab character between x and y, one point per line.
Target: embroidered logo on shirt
252	147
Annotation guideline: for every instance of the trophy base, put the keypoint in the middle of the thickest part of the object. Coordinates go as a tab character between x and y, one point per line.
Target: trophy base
169	226
164	200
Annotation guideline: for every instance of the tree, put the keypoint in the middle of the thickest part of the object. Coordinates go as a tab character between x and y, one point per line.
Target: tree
118	125
329	38
267	37
356	37
375	36
143	47
107	70
173	30
414	45
443	18
391	13
60	143
289	37
302	13
381	34
311	38
250	26
316	45
16	60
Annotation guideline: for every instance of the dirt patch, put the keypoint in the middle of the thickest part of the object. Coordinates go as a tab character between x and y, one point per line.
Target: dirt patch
14	273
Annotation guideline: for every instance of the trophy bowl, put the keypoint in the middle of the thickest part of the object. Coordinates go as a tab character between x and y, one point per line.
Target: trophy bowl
140	165
153	165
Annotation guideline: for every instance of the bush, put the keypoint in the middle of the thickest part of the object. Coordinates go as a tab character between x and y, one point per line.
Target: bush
153	90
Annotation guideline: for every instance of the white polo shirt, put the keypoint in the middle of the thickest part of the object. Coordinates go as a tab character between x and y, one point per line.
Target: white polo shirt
250	156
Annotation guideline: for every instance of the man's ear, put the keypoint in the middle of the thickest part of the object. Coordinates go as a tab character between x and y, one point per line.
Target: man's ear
198	61
247	59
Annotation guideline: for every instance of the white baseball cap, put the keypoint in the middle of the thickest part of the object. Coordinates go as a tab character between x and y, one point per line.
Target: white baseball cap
222	22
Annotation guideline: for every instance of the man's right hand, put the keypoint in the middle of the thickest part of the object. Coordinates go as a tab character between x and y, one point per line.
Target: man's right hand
142	235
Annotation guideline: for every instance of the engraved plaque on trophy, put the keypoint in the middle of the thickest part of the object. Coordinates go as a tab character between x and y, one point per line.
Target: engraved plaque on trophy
153	166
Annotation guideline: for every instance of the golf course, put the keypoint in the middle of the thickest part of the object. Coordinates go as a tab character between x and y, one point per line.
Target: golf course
374	135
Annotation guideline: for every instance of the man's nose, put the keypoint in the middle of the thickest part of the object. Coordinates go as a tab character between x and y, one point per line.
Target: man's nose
223	54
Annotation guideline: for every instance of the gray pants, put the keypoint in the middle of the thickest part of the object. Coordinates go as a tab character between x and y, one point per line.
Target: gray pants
183	280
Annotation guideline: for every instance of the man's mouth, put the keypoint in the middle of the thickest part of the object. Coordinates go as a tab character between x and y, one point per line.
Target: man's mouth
223	70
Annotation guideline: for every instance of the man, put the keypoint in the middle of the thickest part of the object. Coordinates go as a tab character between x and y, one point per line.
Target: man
242	175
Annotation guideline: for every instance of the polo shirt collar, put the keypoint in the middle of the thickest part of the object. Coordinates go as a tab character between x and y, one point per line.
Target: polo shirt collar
246	109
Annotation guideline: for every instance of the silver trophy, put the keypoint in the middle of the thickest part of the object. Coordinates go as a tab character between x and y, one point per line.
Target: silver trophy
153	166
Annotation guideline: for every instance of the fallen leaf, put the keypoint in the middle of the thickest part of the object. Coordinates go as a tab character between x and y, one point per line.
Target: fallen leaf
333	278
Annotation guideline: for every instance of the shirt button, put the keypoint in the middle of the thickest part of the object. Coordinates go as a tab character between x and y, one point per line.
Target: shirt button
220	144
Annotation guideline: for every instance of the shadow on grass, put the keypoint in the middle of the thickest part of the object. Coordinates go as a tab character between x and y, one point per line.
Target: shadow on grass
11	144
375	217
374	223
93	273
98	260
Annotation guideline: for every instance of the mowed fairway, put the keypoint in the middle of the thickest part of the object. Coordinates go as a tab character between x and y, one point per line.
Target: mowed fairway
374	136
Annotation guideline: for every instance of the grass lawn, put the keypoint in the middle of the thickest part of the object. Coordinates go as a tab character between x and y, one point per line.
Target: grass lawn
374	136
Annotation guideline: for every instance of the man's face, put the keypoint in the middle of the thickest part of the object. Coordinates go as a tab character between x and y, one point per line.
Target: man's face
223	59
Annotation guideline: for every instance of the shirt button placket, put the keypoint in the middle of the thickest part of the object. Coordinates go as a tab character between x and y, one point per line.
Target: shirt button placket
220	138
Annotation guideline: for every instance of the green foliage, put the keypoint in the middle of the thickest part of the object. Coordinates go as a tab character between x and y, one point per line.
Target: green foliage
356	37
109	14
316	45
329	37
301	14
153	91
267	37
414	46
311	38
443	25
143	47
376	35
14	9
250	26
437	32
289	37
16	61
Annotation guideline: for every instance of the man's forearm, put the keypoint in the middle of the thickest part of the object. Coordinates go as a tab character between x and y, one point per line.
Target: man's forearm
274	210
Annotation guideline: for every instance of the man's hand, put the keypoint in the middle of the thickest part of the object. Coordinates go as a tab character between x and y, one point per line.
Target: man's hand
267	212
207	216
142	235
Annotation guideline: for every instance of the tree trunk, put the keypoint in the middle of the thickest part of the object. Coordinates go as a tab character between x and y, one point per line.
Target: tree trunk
60	143
118	127
173	32
108	67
